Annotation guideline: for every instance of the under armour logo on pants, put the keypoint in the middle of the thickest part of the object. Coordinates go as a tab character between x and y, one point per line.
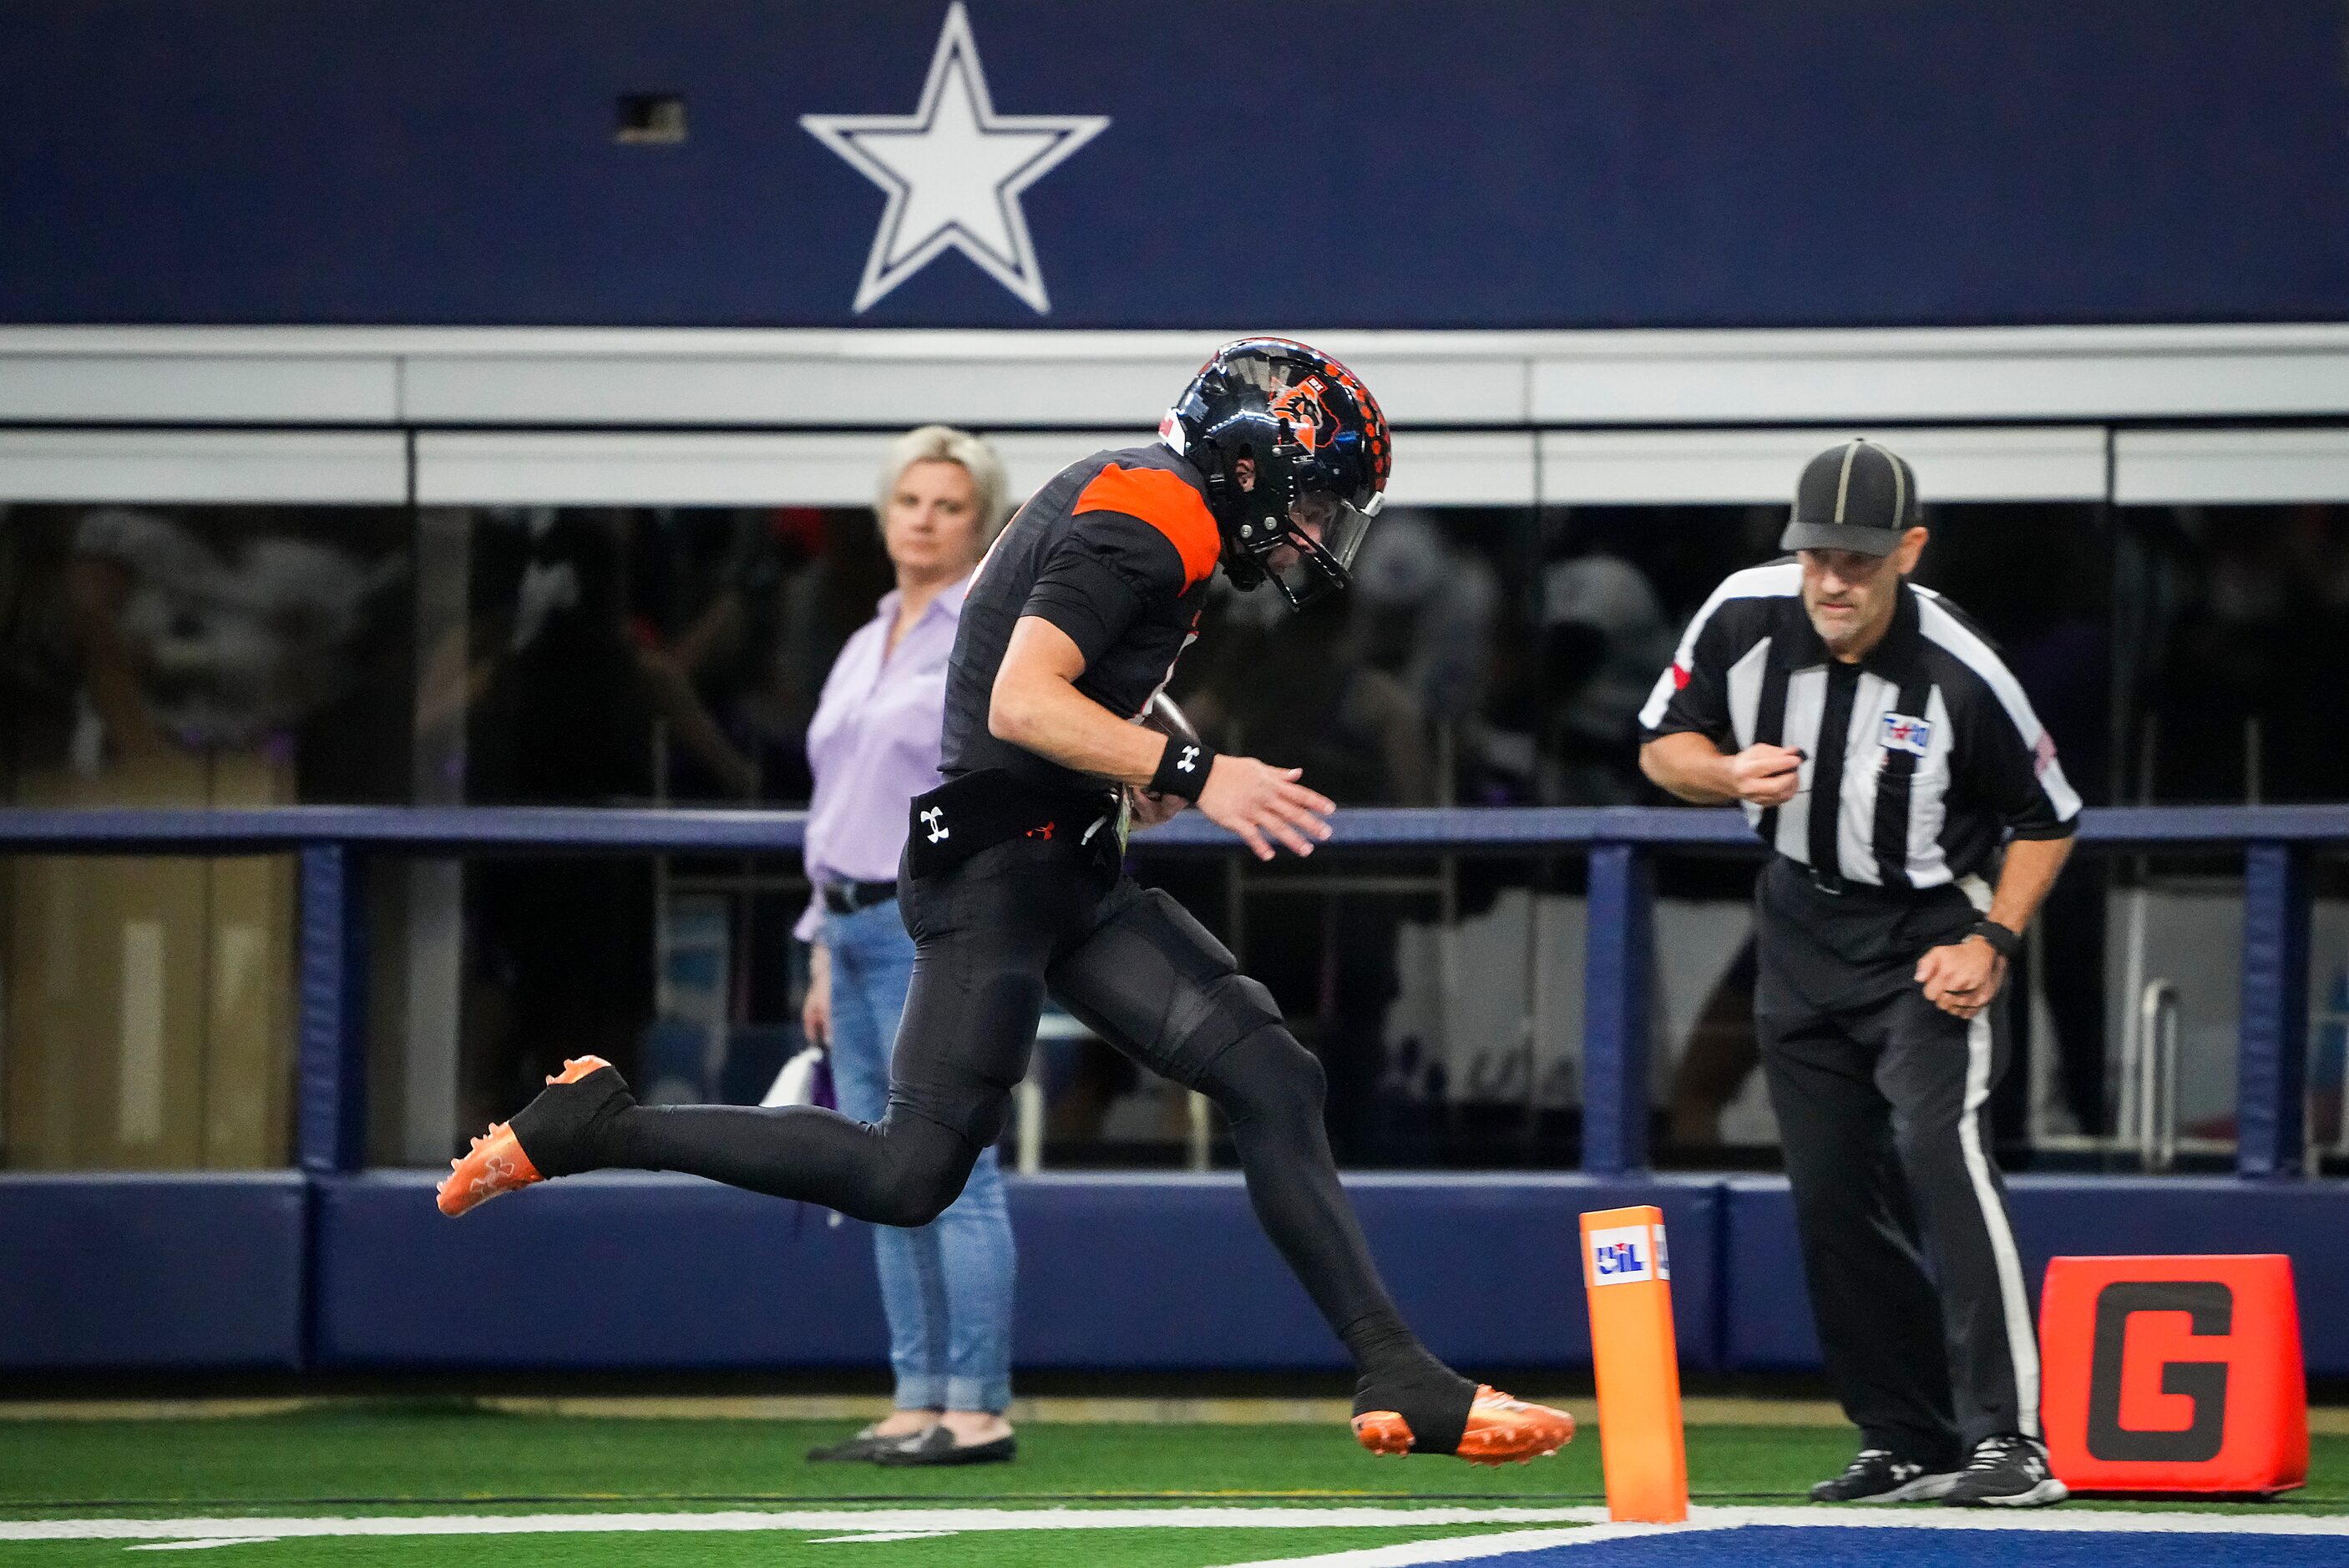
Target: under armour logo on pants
934	818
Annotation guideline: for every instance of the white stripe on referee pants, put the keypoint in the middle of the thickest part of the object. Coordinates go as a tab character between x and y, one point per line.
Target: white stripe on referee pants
2021	1340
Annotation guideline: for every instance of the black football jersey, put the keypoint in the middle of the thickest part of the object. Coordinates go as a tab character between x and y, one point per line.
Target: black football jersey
1116	551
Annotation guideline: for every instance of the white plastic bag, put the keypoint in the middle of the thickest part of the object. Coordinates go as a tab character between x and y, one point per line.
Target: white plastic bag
795	1085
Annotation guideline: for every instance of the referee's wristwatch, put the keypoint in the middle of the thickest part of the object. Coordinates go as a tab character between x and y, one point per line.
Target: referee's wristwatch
2001	941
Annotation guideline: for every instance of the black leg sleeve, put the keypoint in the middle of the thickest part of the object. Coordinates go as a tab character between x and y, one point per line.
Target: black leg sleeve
904	1172
1152	982
982	934
1879	1319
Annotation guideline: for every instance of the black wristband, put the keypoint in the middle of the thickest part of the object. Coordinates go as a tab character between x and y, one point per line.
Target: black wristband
1181	769
2002	941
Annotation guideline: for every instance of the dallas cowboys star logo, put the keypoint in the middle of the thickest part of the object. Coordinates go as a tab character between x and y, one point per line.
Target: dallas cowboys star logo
954	170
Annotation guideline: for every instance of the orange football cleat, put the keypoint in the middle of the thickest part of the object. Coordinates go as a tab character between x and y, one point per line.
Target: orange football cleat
1500	1429
496	1165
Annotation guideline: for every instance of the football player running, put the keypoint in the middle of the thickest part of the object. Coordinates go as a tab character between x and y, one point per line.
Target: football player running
1270	468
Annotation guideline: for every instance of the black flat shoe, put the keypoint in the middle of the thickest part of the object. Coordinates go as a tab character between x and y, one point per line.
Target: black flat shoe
937	1446
864	1446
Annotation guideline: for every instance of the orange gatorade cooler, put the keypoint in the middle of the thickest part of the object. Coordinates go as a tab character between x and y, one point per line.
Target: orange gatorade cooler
2178	1374
1626	1276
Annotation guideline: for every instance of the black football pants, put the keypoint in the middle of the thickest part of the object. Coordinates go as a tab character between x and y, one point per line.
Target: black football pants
1881	1103
991	936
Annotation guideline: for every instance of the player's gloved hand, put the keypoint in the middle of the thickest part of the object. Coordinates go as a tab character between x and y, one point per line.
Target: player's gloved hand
1259	802
1963	978
1147	809
1765	775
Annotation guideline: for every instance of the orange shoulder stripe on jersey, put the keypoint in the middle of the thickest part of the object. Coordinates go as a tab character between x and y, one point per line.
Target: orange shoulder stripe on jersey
1167	504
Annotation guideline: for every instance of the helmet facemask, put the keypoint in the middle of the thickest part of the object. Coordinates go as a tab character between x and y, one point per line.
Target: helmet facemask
1304	540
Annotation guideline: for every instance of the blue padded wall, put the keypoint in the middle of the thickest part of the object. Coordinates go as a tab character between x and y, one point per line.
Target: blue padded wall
1149	1271
1158	1272
151	1271
596	1271
1767	1317
1117	1270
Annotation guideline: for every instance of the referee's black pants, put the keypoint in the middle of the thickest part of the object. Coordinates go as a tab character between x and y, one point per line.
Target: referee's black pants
991	936
1915	1283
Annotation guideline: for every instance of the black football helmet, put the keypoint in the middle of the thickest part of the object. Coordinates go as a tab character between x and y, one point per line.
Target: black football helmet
1317	453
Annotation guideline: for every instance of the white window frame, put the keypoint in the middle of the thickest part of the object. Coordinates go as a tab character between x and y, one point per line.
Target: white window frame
1658	468
2223	468
358	468
473	467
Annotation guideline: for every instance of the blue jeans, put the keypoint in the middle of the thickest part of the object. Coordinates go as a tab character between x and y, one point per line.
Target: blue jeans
947	1285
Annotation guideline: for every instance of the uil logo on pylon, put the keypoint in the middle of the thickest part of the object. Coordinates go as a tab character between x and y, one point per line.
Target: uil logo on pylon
1622	1254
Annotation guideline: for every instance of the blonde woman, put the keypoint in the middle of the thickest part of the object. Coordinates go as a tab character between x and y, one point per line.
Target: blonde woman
874	746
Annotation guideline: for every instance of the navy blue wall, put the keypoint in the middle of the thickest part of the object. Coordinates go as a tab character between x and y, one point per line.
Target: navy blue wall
611	1271
2057	1216
1116	1271
1318	162
143	1271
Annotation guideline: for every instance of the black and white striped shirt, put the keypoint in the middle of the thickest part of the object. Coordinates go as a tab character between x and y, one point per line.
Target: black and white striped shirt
1938	757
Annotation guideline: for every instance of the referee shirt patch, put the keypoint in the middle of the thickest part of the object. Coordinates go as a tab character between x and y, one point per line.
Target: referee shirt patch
1906	732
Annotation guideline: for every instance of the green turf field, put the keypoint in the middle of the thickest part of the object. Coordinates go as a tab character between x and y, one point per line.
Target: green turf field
400	1463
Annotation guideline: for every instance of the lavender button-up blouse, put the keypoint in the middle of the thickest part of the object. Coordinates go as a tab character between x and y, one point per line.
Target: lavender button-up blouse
873	745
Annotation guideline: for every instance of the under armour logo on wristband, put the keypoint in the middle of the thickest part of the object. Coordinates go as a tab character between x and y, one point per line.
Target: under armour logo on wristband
934	818
1184	768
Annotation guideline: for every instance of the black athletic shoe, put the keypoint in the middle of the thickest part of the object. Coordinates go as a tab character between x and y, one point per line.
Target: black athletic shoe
937	1446
1876	1475
2009	1470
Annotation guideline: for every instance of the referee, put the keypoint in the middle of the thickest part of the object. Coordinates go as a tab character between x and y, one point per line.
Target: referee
1880	747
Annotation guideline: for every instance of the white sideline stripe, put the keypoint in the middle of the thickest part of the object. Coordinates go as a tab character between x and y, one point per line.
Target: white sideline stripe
928	1520
1469	1549
947	1520
205	1545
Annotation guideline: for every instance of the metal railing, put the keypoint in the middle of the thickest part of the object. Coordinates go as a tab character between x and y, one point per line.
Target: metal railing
2149	1076
334	844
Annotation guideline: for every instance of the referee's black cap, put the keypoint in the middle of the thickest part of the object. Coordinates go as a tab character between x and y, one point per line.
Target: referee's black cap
1857	496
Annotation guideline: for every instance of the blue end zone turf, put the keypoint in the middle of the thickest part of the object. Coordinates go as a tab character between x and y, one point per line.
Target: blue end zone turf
1779	1546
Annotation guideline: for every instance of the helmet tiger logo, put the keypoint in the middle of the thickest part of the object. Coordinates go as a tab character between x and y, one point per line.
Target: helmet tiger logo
1309	418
